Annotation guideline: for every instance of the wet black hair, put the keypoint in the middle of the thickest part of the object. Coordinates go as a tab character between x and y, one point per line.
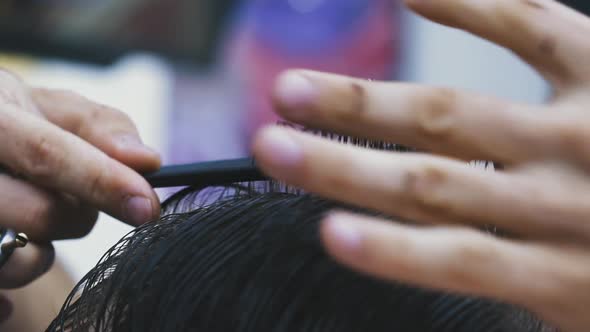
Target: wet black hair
579	5
249	258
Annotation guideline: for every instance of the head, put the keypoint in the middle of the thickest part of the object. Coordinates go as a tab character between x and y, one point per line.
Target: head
250	259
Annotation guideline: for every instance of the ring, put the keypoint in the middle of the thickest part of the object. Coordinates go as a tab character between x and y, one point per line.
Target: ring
9	241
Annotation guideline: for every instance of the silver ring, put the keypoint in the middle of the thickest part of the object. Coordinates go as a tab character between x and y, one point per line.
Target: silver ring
9	241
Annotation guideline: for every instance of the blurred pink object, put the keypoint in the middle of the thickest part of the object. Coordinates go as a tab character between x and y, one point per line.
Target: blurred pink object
366	48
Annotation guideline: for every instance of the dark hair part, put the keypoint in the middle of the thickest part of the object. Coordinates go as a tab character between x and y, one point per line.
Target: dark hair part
250	259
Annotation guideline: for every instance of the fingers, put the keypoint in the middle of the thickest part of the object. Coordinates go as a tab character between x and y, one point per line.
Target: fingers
108	129
544	33
13	93
46	155
42	215
423	188
437	120
458	260
26	264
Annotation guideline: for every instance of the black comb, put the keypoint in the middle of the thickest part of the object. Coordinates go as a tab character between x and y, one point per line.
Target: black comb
206	174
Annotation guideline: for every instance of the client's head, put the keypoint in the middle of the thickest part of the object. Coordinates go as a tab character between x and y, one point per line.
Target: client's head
251	260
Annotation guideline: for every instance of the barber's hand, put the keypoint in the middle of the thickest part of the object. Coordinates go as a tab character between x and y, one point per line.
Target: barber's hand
541	198
68	158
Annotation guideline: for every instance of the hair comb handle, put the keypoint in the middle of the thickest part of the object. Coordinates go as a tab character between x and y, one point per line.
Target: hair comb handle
205	174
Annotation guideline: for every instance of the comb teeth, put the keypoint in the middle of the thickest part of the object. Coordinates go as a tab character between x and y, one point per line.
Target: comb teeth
381	145
345	139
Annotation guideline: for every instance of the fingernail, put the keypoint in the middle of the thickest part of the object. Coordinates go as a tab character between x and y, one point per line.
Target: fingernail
294	90
280	150
138	210
345	235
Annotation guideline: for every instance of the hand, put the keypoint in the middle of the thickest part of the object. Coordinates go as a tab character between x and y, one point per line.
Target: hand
68	158
541	198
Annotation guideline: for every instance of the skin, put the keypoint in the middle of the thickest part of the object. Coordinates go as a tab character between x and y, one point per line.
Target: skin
33	307
540	197
68	158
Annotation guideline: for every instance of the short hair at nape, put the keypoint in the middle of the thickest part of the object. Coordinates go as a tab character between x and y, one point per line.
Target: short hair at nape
247	258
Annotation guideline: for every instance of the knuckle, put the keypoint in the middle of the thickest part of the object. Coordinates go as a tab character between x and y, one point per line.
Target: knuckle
507	10
96	183
533	4
123	119
476	256
65	94
337	181
102	112
473	252
435	114
423	187
9	76
102	117
516	13
573	136
12	92
10	97
38	218
52	98
104	121
357	99
350	101
95	114
41	158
